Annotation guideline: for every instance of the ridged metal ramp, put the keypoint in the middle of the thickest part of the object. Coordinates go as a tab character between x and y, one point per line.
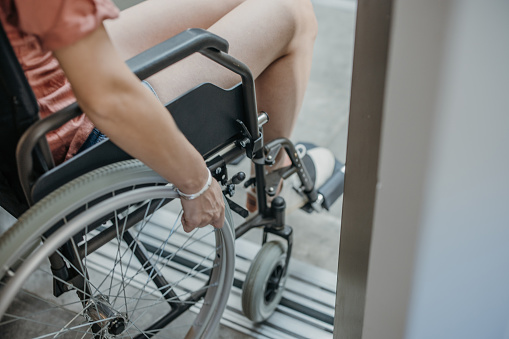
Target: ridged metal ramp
307	307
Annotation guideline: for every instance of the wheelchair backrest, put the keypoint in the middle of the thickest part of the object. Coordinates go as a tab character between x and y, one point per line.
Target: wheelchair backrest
18	110
207	115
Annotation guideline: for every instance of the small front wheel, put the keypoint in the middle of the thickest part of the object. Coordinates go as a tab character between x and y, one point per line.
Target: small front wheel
265	281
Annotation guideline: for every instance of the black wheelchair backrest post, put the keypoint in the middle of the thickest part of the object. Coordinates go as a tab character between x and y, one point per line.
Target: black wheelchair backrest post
18	111
251	111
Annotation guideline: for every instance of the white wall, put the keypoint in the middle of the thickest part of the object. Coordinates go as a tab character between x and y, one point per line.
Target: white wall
439	265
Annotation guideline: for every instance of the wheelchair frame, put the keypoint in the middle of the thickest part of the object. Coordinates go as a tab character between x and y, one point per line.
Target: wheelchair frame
238	134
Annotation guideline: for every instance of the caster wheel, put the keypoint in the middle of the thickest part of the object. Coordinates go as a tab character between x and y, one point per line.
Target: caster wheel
265	282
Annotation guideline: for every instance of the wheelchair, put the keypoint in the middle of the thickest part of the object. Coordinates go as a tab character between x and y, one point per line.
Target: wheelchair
99	251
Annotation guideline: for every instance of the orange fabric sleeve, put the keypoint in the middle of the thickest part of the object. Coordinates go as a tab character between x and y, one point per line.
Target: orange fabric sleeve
59	23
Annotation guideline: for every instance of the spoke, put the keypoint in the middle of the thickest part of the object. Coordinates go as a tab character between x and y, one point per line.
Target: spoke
84	334
145	333
58	279
55	306
74	328
78	271
185	245
169	289
86	243
74	267
141	331
194	269
122	287
118	240
148	295
142	268
127	333
149	278
173	255
110	272
176	223
178	297
106	268
166	259
83	271
70	321
127	249
85	258
191	302
146	219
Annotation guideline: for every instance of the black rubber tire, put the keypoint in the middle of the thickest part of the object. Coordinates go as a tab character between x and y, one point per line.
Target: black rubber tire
264	284
130	184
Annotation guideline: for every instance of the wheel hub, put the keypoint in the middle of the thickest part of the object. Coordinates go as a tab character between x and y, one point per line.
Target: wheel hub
105	319
274	283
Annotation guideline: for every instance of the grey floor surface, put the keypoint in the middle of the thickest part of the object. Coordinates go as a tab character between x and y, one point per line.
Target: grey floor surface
323	120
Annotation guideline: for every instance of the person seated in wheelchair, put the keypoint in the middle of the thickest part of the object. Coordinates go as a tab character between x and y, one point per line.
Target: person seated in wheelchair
75	51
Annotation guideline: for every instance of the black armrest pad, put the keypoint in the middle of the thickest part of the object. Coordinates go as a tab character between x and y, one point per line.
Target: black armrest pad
174	49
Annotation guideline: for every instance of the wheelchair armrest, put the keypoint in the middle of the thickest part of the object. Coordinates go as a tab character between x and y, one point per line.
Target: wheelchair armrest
32	137
143	65
175	49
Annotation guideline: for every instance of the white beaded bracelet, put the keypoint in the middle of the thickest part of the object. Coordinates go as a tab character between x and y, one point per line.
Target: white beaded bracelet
196	195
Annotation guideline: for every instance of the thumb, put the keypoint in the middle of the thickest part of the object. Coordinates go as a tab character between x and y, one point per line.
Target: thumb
184	225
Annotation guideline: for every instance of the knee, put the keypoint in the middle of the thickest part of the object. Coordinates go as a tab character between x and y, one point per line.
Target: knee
306	25
309	18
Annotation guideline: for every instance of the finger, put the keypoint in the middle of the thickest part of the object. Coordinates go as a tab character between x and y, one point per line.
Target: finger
183	222
218	223
185	226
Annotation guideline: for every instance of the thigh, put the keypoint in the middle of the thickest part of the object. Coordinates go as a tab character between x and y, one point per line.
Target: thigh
151	22
259	32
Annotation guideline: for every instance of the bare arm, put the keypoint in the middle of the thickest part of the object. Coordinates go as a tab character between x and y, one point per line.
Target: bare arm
132	117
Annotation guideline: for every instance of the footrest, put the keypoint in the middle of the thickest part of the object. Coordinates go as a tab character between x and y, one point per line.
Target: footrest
332	188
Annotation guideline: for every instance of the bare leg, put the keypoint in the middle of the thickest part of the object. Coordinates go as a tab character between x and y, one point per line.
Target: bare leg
278	52
274	38
151	22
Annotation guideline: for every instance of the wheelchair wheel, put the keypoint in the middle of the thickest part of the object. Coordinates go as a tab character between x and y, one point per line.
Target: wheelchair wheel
263	288
121	265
